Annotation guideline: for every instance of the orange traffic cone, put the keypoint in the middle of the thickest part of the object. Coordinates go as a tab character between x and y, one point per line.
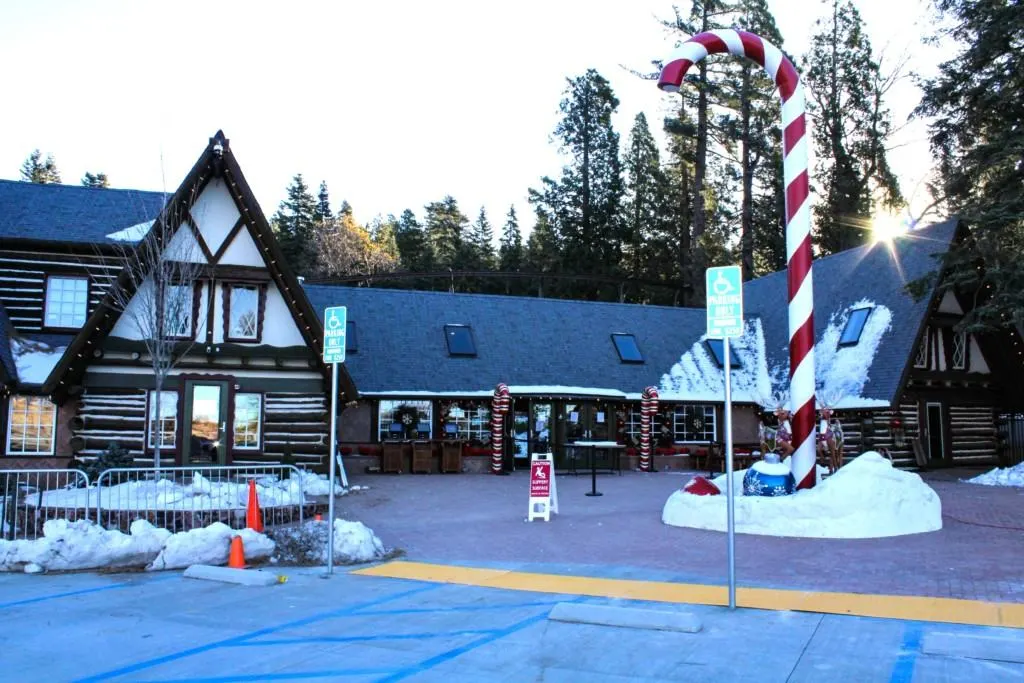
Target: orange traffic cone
318	517
236	558
253	518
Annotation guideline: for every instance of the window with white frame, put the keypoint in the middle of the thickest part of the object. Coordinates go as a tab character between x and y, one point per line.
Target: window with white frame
921	359
694	423
404	419
634	419
247	420
67	301
243	312
167	426
178	311
959	350
31	424
471	422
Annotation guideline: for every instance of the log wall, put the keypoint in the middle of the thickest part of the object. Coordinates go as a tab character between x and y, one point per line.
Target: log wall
856	440
104	417
972	431
299	422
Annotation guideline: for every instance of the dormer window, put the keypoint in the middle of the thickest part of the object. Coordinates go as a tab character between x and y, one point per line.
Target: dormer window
629	352
67	302
460	340
854	326
242	319
718	353
959	350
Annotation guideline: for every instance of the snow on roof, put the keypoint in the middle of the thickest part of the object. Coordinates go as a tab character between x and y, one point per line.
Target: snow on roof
697	376
132	233
34	359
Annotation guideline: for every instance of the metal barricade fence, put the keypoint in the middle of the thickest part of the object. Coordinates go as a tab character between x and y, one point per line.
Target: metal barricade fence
182	498
28	498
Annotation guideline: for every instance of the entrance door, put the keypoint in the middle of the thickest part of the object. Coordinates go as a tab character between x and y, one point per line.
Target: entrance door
935	440
206	422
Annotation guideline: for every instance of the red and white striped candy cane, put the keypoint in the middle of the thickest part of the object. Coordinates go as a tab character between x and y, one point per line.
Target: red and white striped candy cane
798	219
499	406
648	406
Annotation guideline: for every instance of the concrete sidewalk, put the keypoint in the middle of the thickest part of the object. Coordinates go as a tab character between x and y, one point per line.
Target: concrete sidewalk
161	627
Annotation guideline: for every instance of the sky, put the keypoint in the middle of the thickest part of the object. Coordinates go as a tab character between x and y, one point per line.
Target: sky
395	104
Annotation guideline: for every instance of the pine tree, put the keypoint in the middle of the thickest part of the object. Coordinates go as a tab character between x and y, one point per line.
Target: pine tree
481	238
510	253
585	203
646	199
37	170
414	252
382	233
295	225
846	88
323	209
445	230
543	251
977	136
98	180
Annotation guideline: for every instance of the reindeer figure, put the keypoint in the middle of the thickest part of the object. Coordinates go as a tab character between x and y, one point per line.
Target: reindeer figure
784	432
830	440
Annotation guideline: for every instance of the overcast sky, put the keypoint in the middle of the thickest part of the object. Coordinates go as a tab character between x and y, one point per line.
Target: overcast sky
394	104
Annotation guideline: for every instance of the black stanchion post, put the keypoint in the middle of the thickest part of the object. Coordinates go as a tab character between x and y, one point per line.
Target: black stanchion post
593	474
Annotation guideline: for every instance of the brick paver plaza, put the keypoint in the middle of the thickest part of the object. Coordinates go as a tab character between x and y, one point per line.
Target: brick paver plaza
479	520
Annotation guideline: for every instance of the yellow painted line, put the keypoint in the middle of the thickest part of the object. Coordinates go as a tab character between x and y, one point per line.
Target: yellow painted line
916	608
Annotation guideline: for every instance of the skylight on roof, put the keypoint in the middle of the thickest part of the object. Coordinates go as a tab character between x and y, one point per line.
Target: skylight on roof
629	352
854	326
351	341
460	340
717	351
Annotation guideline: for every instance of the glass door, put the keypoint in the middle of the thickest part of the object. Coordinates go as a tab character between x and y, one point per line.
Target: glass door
206	421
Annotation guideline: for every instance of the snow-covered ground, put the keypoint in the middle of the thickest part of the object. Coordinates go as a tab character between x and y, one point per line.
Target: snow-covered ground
34	360
1005	476
83	544
201	494
868	498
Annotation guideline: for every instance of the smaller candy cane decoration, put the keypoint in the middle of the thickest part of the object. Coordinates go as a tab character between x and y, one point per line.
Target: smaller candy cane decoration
648	406
798	219
499	406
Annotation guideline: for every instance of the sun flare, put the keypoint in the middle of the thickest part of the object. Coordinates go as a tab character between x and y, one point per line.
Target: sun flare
886	226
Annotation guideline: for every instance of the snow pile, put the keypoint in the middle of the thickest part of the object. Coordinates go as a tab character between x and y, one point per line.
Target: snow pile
34	360
867	498
314	484
697	376
1007	476
85	545
201	494
210	545
133	233
307	544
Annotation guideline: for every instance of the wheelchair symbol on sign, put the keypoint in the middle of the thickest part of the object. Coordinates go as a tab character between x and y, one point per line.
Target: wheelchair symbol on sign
333	321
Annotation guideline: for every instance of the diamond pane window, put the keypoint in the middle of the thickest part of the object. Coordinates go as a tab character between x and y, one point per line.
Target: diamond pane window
717	352
854	326
959	350
244	312
629	352
247	420
921	359
30	425
67	301
178	311
460	340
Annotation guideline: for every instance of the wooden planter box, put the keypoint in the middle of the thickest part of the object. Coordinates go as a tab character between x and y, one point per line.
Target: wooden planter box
423	456
451	456
392	456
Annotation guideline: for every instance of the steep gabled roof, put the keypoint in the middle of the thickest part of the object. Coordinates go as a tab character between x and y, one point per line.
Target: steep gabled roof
521	341
217	160
72	213
877	273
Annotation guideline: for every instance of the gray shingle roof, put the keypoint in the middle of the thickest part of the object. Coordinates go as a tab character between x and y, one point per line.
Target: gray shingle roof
519	340
871	272
71	213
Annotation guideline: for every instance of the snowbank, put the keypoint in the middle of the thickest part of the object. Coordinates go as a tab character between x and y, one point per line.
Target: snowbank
84	545
867	498
34	360
201	494
307	545
1007	476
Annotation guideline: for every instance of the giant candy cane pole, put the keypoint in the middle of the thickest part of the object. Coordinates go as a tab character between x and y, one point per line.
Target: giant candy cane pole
798	220
648	406
499	406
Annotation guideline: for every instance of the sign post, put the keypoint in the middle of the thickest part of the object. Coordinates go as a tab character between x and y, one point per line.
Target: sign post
724	288
543	489
335	324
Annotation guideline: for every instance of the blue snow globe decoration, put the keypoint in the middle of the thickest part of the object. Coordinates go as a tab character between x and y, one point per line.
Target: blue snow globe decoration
768	477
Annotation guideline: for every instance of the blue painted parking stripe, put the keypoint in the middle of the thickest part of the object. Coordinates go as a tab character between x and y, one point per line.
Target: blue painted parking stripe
156	661
84	591
365	639
296	676
903	670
